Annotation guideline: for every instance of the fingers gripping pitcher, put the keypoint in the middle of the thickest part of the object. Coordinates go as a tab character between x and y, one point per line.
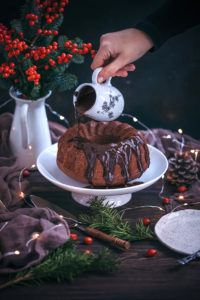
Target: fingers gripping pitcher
101	102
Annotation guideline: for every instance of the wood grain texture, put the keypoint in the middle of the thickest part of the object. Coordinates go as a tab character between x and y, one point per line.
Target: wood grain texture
138	277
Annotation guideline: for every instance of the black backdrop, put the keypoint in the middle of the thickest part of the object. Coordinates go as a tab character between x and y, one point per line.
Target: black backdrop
164	91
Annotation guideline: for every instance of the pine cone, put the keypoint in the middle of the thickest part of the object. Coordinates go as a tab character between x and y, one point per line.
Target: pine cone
182	170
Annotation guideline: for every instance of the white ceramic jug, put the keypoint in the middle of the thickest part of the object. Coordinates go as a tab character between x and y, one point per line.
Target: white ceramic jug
29	133
101	102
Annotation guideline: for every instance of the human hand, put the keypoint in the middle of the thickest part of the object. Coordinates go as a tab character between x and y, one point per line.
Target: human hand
118	50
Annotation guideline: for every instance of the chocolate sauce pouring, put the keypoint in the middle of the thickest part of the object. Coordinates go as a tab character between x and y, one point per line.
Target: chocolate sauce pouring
85	100
108	149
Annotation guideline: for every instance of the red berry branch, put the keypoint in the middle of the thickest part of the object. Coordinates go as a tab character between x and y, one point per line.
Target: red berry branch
32	46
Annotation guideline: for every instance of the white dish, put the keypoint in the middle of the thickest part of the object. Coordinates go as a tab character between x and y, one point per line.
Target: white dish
47	166
180	231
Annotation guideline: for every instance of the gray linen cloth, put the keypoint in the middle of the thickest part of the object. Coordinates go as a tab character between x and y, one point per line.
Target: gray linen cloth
17	231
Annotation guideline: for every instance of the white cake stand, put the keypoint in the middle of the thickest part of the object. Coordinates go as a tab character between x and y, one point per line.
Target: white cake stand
47	166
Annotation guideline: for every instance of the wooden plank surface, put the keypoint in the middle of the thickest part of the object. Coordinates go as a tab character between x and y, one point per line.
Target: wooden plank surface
138	277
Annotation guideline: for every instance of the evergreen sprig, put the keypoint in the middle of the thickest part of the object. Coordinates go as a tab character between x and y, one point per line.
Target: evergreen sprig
64	264
106	218
27	44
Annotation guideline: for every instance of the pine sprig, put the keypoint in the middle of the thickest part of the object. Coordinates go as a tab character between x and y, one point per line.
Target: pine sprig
64	264
106	218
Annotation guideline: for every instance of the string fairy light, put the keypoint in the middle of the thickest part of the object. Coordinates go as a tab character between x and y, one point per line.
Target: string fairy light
34	236
21	193
180	131
6	102
140	123
59	116
142	206
184	204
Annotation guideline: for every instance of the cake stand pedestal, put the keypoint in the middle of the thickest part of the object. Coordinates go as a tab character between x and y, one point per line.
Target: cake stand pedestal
47	166
116	200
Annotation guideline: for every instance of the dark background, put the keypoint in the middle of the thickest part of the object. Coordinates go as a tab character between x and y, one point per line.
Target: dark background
164	91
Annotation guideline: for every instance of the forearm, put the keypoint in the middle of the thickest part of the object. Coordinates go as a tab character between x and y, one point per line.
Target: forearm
172	18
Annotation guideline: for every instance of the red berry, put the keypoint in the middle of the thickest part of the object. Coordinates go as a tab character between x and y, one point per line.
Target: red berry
88	240
49	21
87	251
31	23
55	32
25	173
166	201
75	50
182	189
39	31
12	64
16	80
74	236
55	4
69	55
46	67
6	75
89	45
151	253
146	221
61	10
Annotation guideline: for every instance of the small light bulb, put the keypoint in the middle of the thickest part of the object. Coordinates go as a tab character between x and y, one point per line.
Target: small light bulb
181	197
163	176
185	204
61	216
33	166
192	151
16	252
61	118
35	236
180	131
22	195
135	119
30	147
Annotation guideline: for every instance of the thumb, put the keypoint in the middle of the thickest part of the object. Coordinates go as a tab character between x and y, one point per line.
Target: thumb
100	58
111	68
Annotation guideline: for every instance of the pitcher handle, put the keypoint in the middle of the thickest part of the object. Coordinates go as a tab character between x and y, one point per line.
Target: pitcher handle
95	75
24	125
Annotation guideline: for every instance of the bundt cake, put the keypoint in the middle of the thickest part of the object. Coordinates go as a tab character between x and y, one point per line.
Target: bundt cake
103	153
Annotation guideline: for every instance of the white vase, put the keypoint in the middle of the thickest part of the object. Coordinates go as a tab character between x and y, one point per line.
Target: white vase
29	134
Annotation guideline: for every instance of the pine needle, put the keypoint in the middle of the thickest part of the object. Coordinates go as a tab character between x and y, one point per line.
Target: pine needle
64	264
106	218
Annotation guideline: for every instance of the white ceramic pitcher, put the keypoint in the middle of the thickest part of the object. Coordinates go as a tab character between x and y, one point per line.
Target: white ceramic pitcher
101	102
29	133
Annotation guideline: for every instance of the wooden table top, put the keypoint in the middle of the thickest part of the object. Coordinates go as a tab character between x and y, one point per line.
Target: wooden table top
138	277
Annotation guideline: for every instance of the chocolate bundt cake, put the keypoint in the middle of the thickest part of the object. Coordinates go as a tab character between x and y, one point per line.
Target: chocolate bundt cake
103	153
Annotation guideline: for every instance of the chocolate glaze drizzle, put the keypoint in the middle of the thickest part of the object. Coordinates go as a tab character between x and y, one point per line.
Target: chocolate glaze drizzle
111	152
108	149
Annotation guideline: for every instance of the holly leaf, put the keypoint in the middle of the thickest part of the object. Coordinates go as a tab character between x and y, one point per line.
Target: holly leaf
16	25
67	82
62	40
35	92
55	25
78	59
5	83
78	41
26	63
